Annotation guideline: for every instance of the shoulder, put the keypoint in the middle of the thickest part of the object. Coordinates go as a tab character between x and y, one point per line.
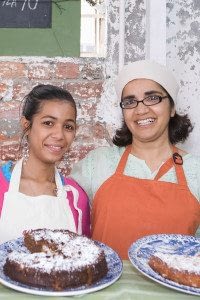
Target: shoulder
6	170
104	152
97	162
5	173
191	158
70	181
191	164
98	159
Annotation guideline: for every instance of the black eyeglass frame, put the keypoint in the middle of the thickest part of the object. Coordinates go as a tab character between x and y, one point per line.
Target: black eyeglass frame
138	101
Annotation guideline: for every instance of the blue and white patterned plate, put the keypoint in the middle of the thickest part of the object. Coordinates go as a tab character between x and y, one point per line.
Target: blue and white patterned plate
140	252
114	272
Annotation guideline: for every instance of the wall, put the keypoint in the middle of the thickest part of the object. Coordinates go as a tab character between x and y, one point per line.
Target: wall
91	81
183	56
19	75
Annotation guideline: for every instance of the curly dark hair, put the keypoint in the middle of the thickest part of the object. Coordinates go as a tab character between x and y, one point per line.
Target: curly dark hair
179	128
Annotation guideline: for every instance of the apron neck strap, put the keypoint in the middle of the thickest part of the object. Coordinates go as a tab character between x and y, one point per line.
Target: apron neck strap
123	160
15	177
175	161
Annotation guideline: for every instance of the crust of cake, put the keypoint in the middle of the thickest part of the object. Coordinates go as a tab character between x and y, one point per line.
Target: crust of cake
43	243
57	280
182	277
26	268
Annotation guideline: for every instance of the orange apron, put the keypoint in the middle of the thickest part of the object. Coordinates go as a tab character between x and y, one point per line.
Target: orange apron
126	208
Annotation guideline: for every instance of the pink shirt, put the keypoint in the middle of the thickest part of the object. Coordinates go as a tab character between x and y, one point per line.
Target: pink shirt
83	202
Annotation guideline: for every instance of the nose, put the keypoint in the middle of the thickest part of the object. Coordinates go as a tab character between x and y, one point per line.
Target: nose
141	108
57	132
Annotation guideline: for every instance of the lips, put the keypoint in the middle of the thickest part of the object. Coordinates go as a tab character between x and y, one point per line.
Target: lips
145	122
55	148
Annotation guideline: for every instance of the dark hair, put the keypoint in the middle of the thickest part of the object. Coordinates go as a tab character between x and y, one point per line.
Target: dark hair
41	94
179	130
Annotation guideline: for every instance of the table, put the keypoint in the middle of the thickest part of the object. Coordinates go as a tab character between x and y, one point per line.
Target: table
132	285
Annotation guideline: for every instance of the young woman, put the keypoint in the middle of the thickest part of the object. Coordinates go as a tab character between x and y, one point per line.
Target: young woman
33	194
145	184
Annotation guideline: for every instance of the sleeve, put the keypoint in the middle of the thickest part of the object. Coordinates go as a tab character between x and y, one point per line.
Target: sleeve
92	171
192	172
83	205
198	178
5	173
82	173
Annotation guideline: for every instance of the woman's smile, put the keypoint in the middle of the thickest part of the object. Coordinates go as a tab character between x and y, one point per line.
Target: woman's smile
145	122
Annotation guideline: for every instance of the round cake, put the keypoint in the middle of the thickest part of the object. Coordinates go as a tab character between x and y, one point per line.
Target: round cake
179	268
58	259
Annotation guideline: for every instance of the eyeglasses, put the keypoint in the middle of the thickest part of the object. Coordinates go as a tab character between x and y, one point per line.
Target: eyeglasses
131	102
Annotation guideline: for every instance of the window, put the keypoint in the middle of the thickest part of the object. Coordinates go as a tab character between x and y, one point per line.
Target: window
93	28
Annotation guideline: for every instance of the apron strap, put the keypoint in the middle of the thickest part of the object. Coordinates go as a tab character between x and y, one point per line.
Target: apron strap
123	160
175	161
164	168
15	177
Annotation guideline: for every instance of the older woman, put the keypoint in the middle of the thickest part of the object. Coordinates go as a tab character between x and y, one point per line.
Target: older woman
145	184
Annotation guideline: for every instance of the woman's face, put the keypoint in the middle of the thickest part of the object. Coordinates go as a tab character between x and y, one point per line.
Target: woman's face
52	131
147	123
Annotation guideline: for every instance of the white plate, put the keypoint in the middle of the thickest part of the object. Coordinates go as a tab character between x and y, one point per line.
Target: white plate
142	249
114	272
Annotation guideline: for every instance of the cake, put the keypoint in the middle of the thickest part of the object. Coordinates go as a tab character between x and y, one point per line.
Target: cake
182	269
58	259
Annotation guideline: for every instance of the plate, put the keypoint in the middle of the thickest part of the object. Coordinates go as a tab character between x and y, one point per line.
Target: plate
114	272
140	252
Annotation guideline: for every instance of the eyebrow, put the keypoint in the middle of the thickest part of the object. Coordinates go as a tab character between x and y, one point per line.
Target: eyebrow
54	118
152	92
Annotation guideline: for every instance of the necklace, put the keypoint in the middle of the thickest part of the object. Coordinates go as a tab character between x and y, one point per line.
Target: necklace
55	190
53	185
32	187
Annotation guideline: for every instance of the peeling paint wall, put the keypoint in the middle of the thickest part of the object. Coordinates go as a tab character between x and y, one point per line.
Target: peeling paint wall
108	110
183	53
135	30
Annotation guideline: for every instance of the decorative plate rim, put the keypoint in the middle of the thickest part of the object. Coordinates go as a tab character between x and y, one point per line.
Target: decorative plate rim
140	251
115	267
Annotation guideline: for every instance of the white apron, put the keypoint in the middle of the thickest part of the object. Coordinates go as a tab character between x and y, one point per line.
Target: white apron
21	212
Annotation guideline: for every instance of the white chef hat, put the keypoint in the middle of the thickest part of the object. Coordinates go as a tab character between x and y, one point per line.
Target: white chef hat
147	69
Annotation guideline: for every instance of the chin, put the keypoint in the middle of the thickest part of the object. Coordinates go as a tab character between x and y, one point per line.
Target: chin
52	160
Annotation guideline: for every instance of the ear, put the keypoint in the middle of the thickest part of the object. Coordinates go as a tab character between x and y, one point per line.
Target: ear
173	111
24	124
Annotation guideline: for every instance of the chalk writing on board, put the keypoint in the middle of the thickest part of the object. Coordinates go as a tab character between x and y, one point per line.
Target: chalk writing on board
25	13
23	4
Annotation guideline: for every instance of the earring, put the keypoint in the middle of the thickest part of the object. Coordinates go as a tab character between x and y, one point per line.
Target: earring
65	159
25	149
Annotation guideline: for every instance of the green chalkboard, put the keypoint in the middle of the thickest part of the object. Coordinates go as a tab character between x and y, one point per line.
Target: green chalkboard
62	39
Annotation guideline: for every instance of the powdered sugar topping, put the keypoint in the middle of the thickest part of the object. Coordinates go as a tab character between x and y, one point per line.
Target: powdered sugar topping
73	252
181	262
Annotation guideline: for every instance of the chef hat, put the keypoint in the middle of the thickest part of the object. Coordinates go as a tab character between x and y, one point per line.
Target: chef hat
147	69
